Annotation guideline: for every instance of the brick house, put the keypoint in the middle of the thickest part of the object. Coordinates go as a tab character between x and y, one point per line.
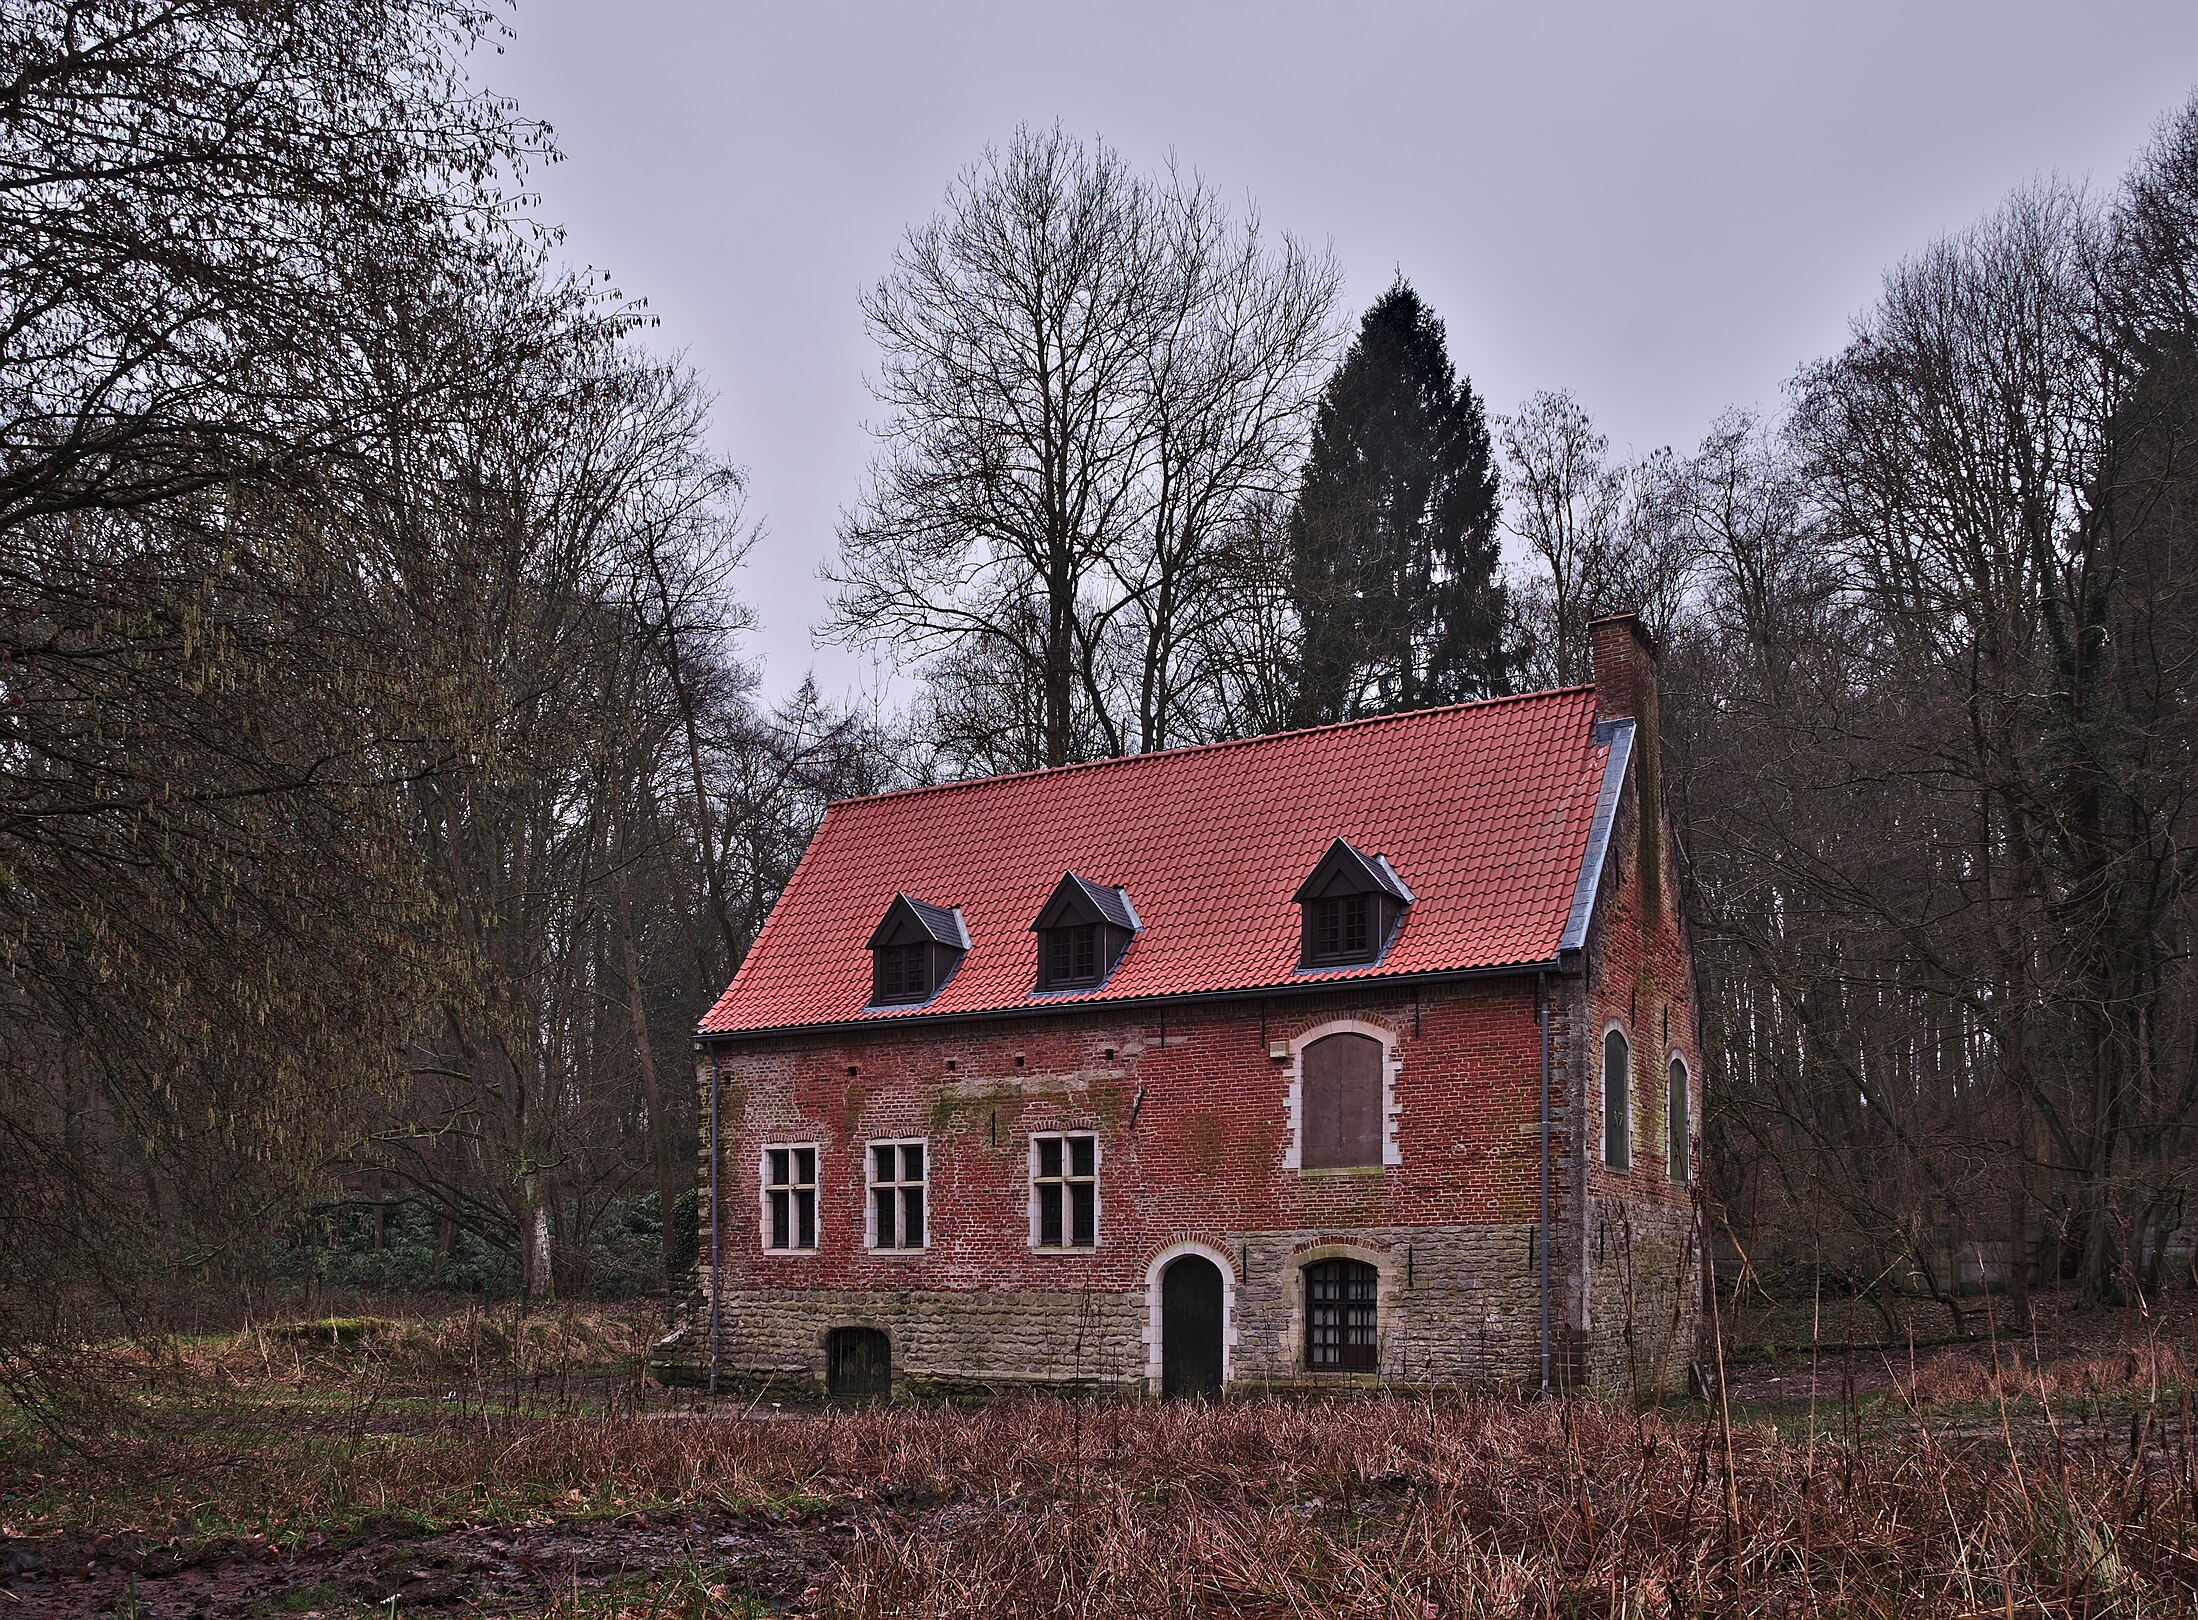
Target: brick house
1223	1068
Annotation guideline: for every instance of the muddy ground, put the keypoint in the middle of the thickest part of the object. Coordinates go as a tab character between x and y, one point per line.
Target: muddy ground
767	1561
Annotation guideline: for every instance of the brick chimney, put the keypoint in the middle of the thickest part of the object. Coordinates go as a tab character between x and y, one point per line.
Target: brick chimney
1623	658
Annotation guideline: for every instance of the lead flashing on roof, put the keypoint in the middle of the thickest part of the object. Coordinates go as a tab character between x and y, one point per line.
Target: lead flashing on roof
1617	737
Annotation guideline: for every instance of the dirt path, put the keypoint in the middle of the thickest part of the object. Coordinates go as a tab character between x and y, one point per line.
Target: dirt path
498	1566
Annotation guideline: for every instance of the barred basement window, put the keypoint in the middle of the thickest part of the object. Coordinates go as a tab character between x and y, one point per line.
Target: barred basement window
1342	1329
790	1197
1065	1183
896	1195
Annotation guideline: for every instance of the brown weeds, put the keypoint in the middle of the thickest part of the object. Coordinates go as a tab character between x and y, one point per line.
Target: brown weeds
1388	1505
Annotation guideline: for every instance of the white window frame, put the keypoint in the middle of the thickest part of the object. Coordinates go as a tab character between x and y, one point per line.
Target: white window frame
1602	1096
1392	1068
1681	1151
872	1185
765	1186
1068	1221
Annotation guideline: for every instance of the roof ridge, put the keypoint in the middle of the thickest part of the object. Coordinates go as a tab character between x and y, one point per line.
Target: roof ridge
1212	747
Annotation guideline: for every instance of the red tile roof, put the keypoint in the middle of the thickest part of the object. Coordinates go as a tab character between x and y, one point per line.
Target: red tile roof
1483	809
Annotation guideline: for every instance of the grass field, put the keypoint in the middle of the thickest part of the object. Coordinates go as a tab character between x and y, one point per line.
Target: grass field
484	1464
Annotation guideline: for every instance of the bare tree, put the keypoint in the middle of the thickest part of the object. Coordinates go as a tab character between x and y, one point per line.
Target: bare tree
1088	373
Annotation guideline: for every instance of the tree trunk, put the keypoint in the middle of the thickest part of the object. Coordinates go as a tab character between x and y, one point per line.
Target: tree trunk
660	1128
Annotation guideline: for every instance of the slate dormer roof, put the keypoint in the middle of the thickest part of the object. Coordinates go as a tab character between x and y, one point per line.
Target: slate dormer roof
942	925
1074	900
1361	874
1493	815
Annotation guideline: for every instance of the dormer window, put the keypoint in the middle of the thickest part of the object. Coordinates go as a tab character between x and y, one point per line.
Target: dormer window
914	951
1082	931
1351	904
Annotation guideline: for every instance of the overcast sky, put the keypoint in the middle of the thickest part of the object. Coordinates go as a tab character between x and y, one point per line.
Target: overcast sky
1662	207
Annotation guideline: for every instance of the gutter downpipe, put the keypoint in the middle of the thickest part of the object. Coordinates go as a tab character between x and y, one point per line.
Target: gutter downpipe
1541	1007
717	1230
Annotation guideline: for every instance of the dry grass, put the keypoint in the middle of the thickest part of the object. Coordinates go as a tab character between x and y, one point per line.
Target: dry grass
1391	1506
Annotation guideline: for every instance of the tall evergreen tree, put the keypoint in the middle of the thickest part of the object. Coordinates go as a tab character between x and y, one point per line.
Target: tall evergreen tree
1393	545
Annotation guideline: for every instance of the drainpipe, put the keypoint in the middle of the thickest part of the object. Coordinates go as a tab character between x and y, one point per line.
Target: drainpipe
1541	1008
716	1231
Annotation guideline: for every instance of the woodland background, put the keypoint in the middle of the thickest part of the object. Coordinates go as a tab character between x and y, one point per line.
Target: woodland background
384	794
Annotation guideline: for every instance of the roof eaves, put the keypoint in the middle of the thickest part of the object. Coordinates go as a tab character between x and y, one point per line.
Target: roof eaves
1089	999
1617	737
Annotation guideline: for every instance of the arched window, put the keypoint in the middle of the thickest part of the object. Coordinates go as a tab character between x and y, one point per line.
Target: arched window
1342	1332
1339	1102
1617	1103
1680	1116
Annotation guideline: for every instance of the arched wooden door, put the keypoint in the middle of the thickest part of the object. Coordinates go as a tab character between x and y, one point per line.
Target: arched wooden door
1190	1328
858	1361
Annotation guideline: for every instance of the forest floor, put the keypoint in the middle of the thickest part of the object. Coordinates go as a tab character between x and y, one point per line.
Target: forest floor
477	1464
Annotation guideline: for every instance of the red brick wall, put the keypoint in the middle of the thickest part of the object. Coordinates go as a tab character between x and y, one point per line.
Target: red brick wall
1192	1124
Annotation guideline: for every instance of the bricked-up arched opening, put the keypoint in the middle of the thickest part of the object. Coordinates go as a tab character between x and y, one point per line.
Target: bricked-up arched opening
1192	1309
858	1361
1342	1316
1342	1103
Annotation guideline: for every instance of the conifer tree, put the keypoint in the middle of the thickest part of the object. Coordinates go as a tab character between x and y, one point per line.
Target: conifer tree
1393	545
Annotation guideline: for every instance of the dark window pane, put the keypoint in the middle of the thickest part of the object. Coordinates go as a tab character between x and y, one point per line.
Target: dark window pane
1339	1104
1680	1123
1049	1155
1049	1215
779	1162
1072	955
782	1236
805	1203
1082	1155
912	1218
912	1162
883	1200
805	1164
1354	926
1617	1121
882	1159
1084	1203
1342	1329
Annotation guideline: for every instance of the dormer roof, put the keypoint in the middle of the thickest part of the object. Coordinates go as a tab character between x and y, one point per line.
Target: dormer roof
908	921
1075	901
1344	870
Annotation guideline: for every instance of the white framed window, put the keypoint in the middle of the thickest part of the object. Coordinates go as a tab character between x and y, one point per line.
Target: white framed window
1064	1190
790	1197
899	1216
1617	1100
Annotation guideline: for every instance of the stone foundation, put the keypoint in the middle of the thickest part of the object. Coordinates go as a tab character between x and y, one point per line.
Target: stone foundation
1459	1306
